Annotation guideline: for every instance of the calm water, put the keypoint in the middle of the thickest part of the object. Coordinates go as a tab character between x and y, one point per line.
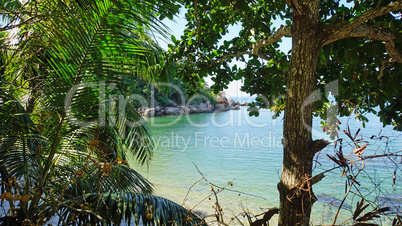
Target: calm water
231	146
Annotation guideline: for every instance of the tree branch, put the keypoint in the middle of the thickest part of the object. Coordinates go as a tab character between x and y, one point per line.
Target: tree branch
228	56
342	30
294	5
371	32
393	51
282	31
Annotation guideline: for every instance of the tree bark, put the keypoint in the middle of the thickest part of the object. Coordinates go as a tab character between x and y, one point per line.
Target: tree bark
296	196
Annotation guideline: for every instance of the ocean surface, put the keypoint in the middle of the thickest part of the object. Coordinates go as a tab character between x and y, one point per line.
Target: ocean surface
243	154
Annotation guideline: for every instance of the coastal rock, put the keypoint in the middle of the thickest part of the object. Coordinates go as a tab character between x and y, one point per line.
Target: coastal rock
185	109
150	112
204	107
210	106
193	109
173	111
230	101
220	107
244	103
224	104
172	103
220	100
222	94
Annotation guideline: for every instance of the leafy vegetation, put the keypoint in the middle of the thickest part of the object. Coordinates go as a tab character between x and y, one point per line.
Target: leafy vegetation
163	93
63	141
354	48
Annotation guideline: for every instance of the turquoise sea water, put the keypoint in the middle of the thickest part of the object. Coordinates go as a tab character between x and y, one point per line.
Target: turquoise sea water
231	146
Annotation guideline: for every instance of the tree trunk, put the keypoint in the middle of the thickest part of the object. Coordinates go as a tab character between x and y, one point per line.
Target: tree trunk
296	197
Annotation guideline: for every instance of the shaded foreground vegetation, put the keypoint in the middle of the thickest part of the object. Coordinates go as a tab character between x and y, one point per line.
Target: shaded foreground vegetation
63	145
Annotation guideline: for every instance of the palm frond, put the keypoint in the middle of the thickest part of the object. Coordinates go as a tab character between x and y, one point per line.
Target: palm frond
133	138
129	207
56	80
20	141
92	176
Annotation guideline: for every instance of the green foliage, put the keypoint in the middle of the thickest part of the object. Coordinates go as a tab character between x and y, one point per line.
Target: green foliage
198	55
362	87
202	94
162	93
57	156
325	49
164	83
367	79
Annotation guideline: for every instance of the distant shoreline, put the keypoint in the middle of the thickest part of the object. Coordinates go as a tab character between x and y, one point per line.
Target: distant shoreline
223	103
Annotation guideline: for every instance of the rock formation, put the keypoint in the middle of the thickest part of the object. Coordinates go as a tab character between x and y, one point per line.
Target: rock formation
224	103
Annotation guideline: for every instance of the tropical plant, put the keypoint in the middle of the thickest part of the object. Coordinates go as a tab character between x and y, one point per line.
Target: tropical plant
62	157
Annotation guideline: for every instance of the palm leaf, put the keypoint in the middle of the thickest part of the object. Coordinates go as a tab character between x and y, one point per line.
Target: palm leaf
83	176
129	207
19	139
61	61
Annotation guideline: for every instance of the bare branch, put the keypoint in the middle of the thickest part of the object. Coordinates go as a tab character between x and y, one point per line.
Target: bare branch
282	31
382	155
342	30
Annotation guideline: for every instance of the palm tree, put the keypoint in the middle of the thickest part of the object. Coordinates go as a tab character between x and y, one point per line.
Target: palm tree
53	166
